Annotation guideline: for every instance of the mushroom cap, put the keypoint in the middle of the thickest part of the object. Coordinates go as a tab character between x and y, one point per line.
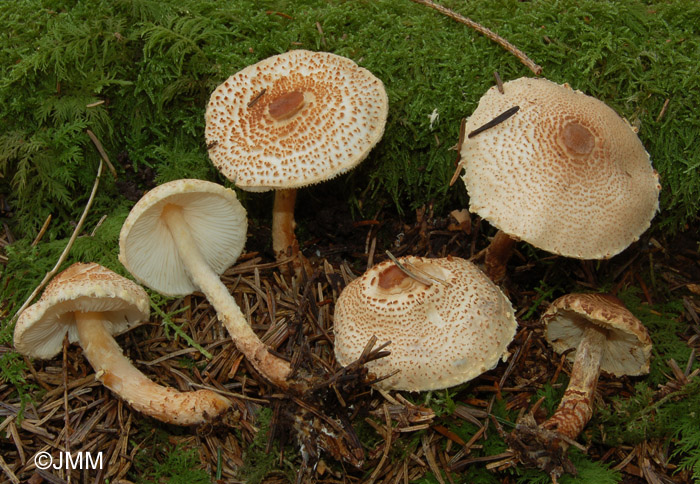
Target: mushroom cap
565	173
341	118
217	222
81	287
628	346
441	335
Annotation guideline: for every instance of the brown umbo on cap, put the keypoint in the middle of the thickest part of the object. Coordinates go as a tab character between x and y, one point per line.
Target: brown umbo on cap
294	119
565	173
441	334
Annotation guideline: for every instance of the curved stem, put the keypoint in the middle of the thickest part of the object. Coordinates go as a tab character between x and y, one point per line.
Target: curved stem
247	342
575	408
117	373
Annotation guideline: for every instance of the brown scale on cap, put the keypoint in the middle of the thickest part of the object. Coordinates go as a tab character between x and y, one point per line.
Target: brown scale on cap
441	334
565	173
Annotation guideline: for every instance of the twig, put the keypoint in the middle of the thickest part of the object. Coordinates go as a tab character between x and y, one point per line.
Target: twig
64	254
8	472
495	121
499	82
536	69
663	109
102	152
42	231
410	274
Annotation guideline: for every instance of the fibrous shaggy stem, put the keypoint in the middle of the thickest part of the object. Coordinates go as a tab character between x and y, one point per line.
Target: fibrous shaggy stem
283	225
497	254
273	368
117	373
575	408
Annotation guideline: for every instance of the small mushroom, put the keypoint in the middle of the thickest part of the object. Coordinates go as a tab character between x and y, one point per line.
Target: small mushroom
604	335
179	238
443	332
293	120
92	303
565	173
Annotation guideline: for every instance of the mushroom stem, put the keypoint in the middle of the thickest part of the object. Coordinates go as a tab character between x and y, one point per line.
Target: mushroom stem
575	409
497	254
283	226
117	373
273	368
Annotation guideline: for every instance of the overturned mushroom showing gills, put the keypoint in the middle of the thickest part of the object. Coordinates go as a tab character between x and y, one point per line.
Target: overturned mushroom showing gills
293	120
605	336
179	238
442	334
92	303
565	173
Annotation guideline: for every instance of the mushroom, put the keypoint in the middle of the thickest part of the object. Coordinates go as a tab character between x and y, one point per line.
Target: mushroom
604	335
565	173
92	303
443	332
292	120
179	238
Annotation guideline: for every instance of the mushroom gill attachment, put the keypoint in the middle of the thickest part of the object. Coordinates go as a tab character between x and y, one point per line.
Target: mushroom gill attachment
92	303
293	120
604	335
565	173
441	334
179	238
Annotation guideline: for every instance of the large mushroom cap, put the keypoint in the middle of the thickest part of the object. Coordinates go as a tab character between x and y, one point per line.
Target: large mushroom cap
441	335
294	119
565	173
627	348
90	287
217	221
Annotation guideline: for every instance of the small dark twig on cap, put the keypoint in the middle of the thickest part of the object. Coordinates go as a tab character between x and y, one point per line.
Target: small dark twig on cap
256	98
499	82
495	121
536	69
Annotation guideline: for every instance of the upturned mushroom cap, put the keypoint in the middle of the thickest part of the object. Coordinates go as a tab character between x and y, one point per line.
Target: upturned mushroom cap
441	335
294	119
565	173
90	287
217	221
627	347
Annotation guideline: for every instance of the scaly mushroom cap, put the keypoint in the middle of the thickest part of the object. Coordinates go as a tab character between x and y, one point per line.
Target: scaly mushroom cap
294	119
81	287
565	173
441	335
628	346
217	221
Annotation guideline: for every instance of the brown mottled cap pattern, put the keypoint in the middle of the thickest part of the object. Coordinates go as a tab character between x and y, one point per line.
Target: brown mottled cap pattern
216	219
81	287
441	335
628	346
294	119
565	173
